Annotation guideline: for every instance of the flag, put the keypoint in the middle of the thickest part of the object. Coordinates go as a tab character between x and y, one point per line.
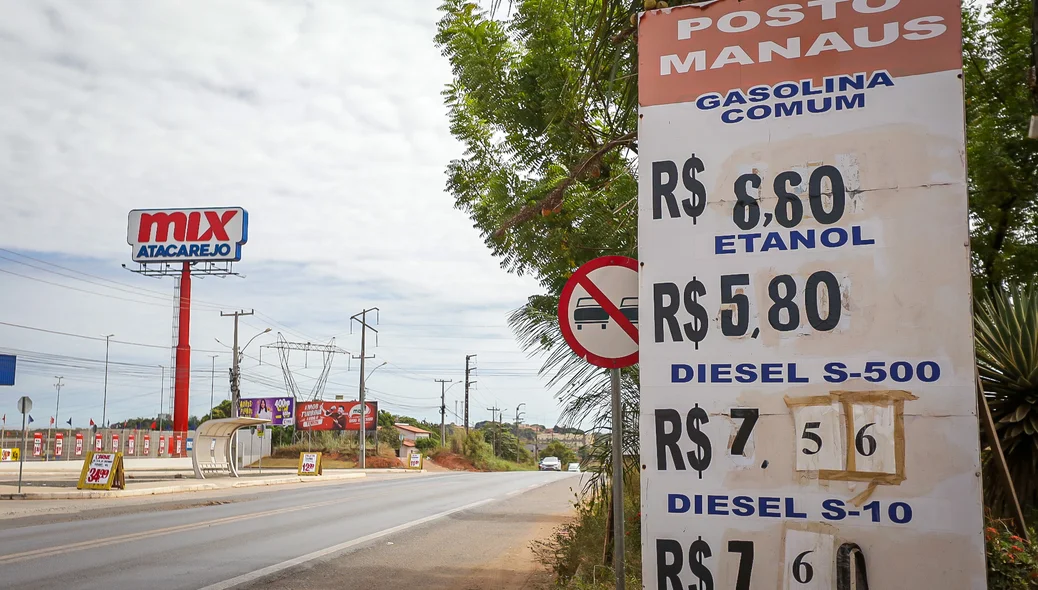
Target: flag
52	420
30	418
154	425
69	422
92	422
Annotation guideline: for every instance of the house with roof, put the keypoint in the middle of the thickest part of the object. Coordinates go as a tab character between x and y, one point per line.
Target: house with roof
408	435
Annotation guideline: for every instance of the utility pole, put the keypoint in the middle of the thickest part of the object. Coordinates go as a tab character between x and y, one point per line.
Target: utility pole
518	416
235	373
467	383
443	408
104	403
495	411
235	378
212	386
364	327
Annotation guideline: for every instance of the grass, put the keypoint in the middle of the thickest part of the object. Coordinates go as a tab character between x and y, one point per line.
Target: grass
499	464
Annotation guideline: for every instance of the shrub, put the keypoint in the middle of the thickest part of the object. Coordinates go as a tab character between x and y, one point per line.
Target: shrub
426	444
1012	561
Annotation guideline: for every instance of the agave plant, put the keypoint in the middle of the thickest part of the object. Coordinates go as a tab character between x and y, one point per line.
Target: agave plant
1007	357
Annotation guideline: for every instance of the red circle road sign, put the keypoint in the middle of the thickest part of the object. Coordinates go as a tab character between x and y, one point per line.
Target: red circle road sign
598	312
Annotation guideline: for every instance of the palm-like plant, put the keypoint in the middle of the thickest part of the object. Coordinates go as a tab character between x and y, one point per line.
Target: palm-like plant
1007	357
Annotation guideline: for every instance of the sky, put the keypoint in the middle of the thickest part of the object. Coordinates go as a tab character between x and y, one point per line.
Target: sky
324	119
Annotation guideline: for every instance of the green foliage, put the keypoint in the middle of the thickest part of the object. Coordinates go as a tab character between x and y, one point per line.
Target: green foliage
1003	162
1012	561
222	410
477	450
574	551
1007	358
389	436
557	449
426	444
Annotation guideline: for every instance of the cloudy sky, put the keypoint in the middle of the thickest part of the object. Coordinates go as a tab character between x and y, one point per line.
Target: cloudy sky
324	120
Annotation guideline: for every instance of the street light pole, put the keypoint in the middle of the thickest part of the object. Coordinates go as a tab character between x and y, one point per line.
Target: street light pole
212	386
517	416
104	403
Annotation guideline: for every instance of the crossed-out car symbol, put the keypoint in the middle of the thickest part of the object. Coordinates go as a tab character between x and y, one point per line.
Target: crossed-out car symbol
588	311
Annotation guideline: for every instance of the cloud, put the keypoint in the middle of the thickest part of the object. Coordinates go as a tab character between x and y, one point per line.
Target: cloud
323	119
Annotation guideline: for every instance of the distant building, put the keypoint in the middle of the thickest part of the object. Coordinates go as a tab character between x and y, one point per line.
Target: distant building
409	434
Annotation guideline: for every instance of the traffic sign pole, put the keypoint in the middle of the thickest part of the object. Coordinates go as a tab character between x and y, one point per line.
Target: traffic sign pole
596	297
21	456
618	481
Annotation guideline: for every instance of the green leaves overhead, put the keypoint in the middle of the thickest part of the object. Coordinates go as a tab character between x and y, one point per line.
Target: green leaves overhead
1003	162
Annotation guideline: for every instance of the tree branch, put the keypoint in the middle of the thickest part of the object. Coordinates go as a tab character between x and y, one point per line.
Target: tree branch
554	198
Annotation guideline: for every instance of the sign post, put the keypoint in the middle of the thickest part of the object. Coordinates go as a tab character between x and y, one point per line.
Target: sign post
807	378
598	315
24	406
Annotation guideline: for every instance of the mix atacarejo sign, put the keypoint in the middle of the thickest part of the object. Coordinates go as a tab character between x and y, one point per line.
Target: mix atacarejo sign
806	362
167	235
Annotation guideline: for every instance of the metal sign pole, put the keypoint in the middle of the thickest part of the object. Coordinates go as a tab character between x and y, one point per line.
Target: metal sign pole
618	482
21	456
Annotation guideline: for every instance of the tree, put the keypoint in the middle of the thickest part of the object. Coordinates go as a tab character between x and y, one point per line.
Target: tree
557	449
222	410
545	103
1007	358
1003	162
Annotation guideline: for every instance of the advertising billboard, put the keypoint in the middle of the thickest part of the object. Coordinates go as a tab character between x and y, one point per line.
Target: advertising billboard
8	363
337	415
187	235
806	362
279	410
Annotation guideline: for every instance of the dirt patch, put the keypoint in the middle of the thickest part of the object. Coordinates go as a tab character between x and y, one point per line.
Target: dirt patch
454	462
383	463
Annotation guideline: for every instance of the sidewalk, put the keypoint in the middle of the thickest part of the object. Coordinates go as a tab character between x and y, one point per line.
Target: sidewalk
64	488
170	478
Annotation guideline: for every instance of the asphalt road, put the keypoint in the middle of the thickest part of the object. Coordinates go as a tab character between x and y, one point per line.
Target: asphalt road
354	534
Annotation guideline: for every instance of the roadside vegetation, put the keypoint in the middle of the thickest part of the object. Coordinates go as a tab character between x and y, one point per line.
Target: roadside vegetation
544	99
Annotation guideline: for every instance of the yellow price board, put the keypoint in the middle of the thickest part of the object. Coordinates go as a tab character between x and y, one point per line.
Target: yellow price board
309	463
102	471
10	454
415	461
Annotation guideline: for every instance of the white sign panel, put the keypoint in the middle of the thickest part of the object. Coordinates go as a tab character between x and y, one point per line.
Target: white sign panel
806	351
171	235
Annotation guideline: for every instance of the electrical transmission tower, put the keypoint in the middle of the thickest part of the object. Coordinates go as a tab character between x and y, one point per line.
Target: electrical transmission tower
328	351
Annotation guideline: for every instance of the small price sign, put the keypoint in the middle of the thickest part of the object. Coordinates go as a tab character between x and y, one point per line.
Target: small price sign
10	454
102	471
414	461
310	464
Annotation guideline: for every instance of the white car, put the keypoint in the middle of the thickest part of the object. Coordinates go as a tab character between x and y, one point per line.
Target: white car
550	464
574	467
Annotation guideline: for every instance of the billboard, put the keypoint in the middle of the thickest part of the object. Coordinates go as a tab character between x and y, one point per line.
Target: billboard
7	366
279	410
187	235
337	415
806	361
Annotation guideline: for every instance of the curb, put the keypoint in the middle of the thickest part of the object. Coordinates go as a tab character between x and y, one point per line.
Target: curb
198	487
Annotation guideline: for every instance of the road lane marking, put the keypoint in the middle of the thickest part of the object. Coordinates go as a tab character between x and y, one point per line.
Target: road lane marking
273	569
104	542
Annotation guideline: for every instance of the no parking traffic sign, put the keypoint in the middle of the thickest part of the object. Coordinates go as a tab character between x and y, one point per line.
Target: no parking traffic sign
598	312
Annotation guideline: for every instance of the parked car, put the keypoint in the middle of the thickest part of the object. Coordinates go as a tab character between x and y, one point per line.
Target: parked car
551	464
574	467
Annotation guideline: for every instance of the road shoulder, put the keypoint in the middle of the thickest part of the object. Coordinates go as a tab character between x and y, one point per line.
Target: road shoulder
485	548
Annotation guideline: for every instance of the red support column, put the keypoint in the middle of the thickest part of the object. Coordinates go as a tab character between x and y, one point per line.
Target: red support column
182	382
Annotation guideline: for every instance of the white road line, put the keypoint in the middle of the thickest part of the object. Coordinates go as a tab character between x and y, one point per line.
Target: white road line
261	573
